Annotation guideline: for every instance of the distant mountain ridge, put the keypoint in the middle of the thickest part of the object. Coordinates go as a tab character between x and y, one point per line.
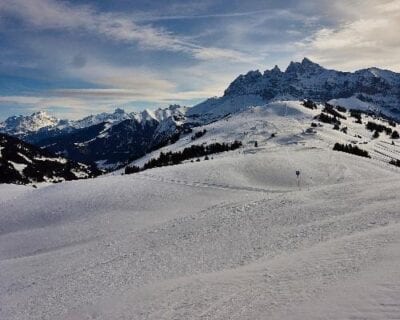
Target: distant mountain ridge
110	139
113	139
24	126
308	80
21	125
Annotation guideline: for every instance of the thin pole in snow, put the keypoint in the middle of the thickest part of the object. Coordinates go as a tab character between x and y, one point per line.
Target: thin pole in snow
298	178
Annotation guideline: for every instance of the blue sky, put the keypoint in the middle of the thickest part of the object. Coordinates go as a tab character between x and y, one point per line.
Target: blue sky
74	58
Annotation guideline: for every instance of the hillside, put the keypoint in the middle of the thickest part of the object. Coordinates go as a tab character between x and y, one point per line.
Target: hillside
238	236
288	125
22	163
231	238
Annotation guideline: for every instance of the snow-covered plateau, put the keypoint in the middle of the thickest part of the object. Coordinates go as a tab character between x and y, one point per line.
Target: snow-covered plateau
234	237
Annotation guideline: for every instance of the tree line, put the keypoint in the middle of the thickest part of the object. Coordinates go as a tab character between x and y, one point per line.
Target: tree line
348	148
194	151
330	109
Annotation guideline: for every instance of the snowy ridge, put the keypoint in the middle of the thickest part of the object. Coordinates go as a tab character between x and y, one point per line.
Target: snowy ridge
116	117
28	125
308	80
19	125
109	139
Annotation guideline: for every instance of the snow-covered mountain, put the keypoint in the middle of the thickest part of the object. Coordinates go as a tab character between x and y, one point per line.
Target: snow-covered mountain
41	123
117	116
379	89
109	139
291	125
23	125
22	163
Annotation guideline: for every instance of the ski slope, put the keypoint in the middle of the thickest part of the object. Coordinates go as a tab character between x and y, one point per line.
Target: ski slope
230	238
284	126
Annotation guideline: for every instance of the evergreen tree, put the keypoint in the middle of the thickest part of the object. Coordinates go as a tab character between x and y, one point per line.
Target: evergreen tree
395	135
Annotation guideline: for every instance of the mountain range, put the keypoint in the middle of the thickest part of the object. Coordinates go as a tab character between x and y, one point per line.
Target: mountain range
113	139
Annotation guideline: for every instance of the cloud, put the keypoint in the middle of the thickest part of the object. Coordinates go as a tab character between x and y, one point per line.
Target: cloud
368	37
263	12
52	15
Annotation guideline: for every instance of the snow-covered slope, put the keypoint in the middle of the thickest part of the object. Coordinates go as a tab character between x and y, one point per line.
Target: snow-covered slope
288	124
230	238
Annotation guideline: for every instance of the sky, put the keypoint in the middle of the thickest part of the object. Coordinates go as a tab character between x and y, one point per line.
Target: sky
78	57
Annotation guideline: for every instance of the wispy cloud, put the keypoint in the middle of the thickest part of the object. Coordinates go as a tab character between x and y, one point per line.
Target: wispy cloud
264	12
52	15
367	37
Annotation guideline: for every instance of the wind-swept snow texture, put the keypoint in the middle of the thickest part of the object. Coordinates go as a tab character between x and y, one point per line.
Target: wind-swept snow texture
230	238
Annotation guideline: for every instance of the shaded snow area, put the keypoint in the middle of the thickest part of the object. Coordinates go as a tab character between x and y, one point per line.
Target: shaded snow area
230	238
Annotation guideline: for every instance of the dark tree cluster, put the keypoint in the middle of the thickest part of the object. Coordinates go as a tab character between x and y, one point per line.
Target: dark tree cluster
328	119
392	123
357	115
341	109
194	151
348	148
330	109
132	169
198	134
395	135
372	126
310	104
395	162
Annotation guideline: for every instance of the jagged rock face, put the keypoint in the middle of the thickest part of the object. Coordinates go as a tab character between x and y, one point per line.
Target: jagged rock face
310	80
22	163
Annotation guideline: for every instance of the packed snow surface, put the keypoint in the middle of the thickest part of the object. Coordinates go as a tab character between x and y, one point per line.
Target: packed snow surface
230	238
